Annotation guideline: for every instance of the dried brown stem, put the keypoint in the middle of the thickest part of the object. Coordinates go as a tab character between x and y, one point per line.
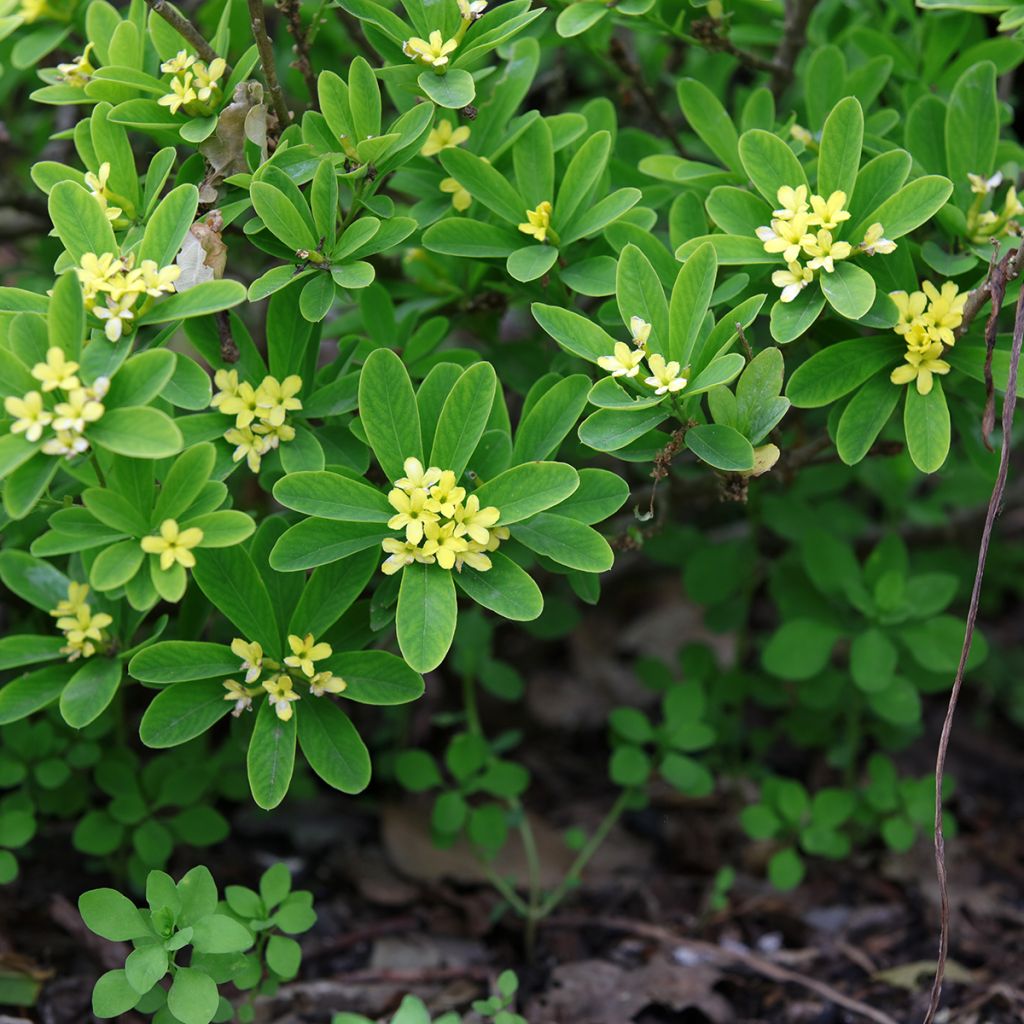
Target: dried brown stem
622	60
994	507
794	35
185	29
292	11
725	956
266	52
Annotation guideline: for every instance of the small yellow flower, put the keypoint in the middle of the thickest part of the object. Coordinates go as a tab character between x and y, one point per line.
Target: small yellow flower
785	236
275	398
445	495
239	694
624	363
945	311
79	71
181	93
156	280
824	251
30	415
115	313
474	557
207	78
801	134
173	545
472	9
96	272
432	52
829	213
462	198
66	443
326	682
920	367
305	650
244	405
792	280
910	307
77	599
416	477
97	185
875	241
444	136
792	202
981	186
498	534
473	520
226	382
664	377
281	695
412	513
640	331
1012	206
400	554
182	61
57	371
252	658
274	436
442	542
538	222
79	409
248	446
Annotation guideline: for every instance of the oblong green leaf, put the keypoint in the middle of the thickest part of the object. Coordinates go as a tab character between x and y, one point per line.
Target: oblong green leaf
426	614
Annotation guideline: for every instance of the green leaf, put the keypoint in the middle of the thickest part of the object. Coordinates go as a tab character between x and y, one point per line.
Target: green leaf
271	756
111	915
522	491
789	320
545	425
504	588
691	296
31	692
531	261
141	378
36	581
800	649
574	332
453	90
839	152
873	660
229	579
377	677
463	418
972	128
926	422
90	691
65	320
140	432
112	995
193	996
284	955
912	206
363	99
168	225
710	121
864	417
144	967
849	289
581	176
638	292
331	496
838	369
425	620
599	495
80	222
566	540
281	217
174	661
720	446
182	712
332	745
387	411
485	184
184	481
218	933
320	541
770	163
608	430
201	299
116	565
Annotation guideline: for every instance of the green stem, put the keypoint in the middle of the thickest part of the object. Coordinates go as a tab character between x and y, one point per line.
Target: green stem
469	703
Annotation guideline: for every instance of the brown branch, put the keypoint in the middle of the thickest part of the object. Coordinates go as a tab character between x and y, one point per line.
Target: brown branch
708	32
1009	268
994	508
186	30
228	349
724	956
293	18
794	35
266	52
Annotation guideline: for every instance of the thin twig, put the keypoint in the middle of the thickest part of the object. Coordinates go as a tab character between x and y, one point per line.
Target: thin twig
629	68
228	349
266	52
722	956
1010	267
994	507
186	30
293	18
794	35
708	32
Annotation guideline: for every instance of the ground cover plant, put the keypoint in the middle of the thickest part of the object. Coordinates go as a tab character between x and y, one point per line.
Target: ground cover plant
531	473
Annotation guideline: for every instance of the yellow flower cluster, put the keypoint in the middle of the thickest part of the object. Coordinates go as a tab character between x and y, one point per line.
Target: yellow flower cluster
802	230
433	52
79	71
984	224
112	284
195	87
173	544
83	628
260	413
67	418
97	185
298	667
927	323
665	377
440	523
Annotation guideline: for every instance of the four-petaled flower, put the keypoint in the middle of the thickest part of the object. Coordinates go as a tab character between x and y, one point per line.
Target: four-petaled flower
443	544
625	362
472	9
277	398
57	372
252	658
30	415
875	241
538	222
416	477
240	695
326	682
792	280
639	331
180	94
825	251
281	695
665	377
305	650
412	512
829	213
474	521
920	367
432	51
444	136
173	545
